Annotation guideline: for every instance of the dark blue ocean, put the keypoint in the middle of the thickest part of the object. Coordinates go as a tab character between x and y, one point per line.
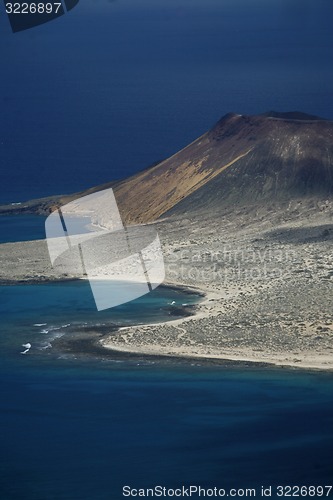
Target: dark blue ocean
108	89
80	426
78	422
114	86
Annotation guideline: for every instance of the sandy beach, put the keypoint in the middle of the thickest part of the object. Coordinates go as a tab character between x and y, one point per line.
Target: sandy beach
267	280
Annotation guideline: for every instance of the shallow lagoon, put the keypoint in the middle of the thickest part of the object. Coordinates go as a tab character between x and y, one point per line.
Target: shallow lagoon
21	228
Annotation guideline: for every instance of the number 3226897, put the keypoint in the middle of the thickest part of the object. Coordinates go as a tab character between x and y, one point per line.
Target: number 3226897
32	8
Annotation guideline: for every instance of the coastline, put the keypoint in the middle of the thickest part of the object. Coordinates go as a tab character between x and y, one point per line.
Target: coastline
97	343
266	281
121	341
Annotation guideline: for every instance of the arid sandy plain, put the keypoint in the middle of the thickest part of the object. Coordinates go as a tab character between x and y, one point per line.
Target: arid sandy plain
267	276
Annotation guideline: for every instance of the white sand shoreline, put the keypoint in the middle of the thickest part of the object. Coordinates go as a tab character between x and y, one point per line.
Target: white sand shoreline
268	285
309	361
267	279
306	365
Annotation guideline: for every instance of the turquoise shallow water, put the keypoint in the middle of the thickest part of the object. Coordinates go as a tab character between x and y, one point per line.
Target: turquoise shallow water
112	88
21	228
74	427
81	427
39	314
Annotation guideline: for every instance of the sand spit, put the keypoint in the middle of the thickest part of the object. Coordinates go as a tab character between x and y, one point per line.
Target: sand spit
268	280
267	276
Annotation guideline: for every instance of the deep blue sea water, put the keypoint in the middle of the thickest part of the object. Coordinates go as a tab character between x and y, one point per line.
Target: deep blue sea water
74	427
96	95
79	426
117	85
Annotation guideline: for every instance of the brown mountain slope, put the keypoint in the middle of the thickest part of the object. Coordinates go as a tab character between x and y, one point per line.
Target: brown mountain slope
243	159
